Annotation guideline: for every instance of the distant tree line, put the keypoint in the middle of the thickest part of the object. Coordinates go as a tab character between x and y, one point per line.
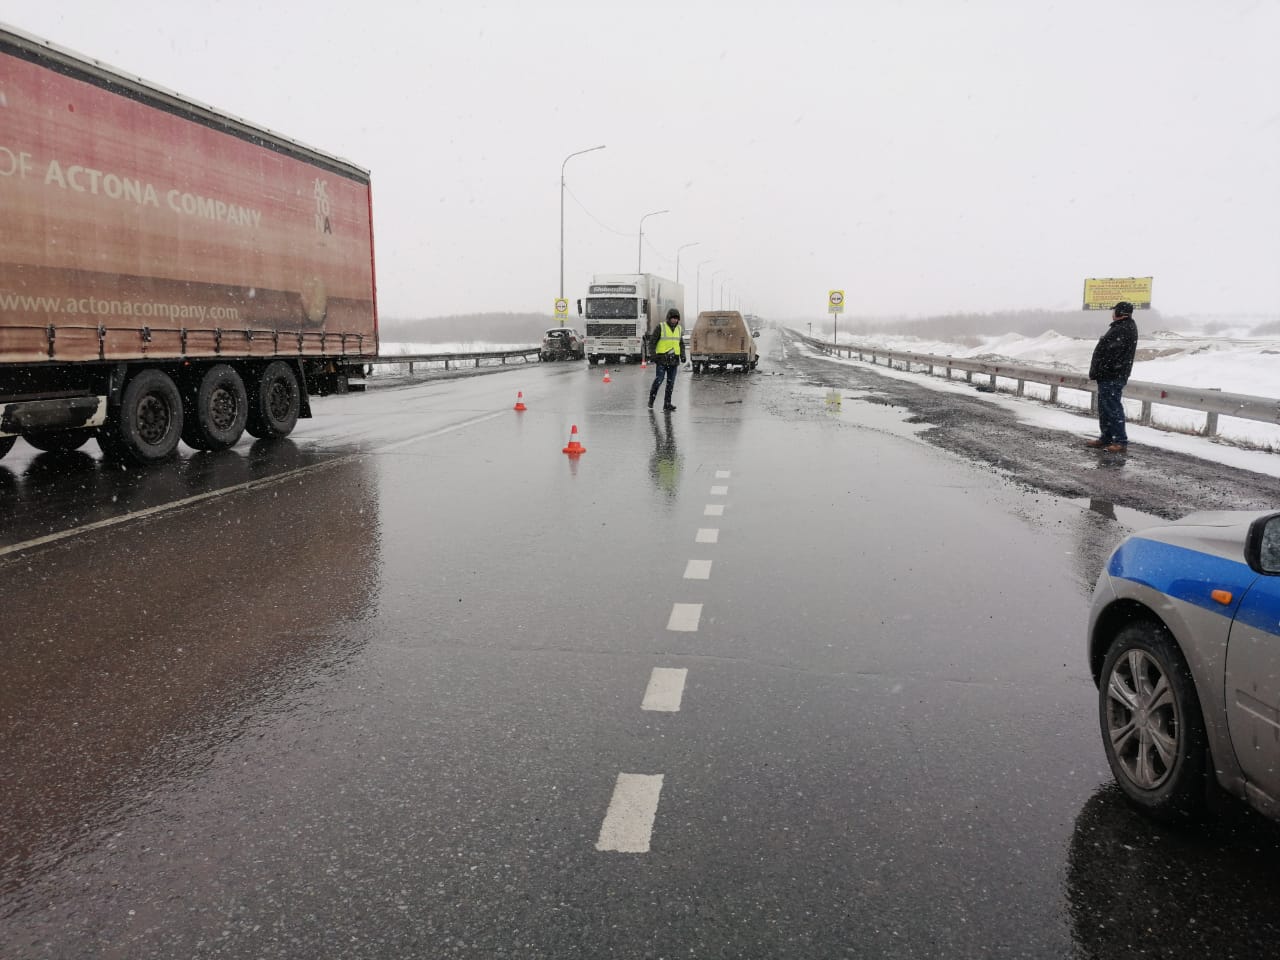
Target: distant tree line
970	327
965	328
467	327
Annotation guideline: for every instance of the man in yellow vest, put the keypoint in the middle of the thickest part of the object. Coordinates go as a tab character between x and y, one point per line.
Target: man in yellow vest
668	354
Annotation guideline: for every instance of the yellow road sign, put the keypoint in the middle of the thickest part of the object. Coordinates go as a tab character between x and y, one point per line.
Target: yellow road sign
1104	293
562	307
835	301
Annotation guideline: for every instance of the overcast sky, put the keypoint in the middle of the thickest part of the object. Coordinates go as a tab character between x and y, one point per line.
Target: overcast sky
928	157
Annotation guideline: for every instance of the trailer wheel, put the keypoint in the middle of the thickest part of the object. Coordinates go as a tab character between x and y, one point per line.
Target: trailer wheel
148	425
275	402
217	411
58	441
6	444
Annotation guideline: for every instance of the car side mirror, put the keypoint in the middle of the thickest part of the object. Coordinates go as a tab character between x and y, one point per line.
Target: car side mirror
1262	547
579	308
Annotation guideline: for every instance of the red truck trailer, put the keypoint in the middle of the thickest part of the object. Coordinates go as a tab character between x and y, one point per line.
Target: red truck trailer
167	272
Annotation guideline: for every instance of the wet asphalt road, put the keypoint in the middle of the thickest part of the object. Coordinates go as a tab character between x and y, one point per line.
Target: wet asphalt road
371	700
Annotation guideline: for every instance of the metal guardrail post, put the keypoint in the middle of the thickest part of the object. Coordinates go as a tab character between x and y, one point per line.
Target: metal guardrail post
1211	419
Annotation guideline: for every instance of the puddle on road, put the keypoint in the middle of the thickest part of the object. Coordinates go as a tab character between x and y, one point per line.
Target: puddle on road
865	408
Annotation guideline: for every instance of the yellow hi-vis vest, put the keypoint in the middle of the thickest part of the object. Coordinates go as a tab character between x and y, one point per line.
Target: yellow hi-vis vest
669	342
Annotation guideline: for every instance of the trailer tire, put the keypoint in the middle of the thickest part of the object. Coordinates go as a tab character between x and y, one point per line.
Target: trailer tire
6	444
274	403
58	441
148	425
216	411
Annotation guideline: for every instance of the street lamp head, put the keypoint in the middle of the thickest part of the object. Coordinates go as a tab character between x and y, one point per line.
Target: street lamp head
640	251
562	166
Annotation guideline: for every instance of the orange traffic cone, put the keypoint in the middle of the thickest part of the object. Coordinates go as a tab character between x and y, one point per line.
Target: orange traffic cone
606	378
520	401
644	364
574	448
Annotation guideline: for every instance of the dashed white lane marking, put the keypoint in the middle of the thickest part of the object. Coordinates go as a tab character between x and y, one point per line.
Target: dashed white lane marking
684	617
719	491
665	690
697	570
628	823
713	510
707	535
722	474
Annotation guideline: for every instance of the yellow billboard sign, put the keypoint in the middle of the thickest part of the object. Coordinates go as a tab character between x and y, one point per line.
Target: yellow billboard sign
1104	293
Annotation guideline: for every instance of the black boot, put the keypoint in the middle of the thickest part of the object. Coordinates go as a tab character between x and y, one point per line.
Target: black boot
653	395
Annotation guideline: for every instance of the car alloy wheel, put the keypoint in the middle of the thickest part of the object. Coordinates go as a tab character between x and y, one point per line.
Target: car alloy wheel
1142	719
1152	726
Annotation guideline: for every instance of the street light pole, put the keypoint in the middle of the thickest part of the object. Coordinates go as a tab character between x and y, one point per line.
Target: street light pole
640	253
711	294
683	246
697	297
562	166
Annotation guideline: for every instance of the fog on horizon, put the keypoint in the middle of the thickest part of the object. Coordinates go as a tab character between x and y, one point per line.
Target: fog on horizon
928	157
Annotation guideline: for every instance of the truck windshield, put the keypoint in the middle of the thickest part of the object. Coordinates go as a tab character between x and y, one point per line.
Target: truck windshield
612	308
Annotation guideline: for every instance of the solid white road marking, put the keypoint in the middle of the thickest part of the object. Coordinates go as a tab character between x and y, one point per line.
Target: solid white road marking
685	617
628	823
719	491
441	431
713	510
698	570
184	502
707	535
665	690
722	474
247	485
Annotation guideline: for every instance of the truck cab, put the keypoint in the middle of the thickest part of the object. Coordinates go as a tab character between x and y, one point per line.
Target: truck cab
614	315
620	310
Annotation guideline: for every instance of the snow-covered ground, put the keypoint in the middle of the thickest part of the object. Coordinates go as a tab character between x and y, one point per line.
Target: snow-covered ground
1182	359
396	348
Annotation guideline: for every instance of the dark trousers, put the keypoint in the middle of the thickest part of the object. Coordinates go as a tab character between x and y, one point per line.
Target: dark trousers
1111	412
660	371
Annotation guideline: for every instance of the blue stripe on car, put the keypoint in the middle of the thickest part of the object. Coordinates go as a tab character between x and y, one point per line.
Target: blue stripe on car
1181	573
1261	608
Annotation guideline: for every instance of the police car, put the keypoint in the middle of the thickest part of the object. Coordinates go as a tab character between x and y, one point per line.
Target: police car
1184	646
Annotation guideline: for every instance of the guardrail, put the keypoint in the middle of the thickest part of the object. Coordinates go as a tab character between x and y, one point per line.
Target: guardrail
475	359
1212	403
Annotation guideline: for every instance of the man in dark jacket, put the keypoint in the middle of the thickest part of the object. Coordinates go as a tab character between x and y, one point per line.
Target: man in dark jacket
1111	365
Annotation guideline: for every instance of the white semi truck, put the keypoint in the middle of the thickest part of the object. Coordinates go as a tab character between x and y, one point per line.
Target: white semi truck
620	310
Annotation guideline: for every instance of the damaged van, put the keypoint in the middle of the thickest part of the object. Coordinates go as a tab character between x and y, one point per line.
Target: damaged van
721	339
